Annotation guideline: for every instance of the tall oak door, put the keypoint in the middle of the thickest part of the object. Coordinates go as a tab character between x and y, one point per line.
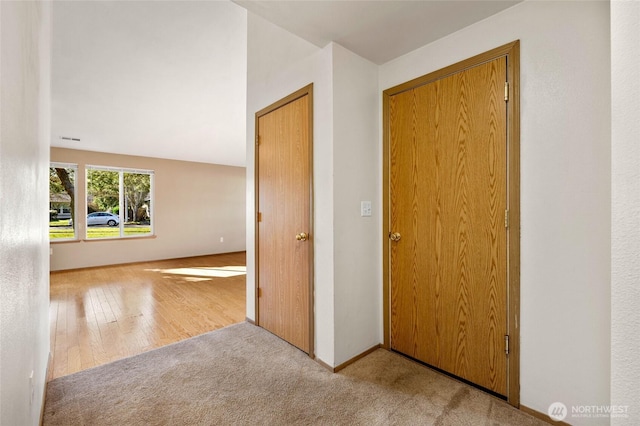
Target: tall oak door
447	217
283	201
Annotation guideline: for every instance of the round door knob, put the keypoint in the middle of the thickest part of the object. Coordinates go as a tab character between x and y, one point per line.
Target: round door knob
302	236
395	236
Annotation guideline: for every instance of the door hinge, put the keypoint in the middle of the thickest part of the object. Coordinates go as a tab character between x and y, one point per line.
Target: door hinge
506	344
259	292
506	218
257	140
506	91
259	217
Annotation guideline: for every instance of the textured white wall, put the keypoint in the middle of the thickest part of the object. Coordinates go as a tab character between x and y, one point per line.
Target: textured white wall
24	168
194	205
625	244
356	178
565	188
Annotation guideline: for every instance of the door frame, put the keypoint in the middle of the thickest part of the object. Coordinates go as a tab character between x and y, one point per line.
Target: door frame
512	52
305	91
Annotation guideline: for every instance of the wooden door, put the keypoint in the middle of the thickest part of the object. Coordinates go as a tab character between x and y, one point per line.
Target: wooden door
448	197
284	251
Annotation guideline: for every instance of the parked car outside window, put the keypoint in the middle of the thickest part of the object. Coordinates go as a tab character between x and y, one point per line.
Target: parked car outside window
101	218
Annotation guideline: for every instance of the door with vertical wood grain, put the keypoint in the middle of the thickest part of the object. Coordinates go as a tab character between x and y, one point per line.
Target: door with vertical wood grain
448	196
283	201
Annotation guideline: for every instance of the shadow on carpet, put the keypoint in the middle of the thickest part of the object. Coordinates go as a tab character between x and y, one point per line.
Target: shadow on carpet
244	375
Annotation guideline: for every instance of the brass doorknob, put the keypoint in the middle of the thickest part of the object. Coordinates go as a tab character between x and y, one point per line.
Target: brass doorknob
302	237
395	236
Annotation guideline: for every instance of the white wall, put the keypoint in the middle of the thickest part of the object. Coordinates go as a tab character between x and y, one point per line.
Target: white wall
24	252
625	250
565	188
356	178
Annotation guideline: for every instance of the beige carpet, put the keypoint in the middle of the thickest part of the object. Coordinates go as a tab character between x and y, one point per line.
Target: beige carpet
245	375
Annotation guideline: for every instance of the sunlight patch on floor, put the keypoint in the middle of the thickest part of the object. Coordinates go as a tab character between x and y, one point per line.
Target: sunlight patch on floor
213	272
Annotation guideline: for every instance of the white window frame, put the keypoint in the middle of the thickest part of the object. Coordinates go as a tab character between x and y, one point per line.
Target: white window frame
121	171
74	166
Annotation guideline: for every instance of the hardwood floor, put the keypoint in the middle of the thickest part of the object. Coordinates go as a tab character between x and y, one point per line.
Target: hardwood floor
99	315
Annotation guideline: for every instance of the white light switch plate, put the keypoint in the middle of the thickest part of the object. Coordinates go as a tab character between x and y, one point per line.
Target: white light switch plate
365	208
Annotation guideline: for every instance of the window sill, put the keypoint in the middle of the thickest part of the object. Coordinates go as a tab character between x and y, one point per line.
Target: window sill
61	241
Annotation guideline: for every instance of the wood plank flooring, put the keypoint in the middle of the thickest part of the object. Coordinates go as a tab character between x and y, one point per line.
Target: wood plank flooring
99	315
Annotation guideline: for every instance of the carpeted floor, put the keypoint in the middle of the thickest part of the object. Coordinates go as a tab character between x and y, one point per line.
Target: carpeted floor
244	375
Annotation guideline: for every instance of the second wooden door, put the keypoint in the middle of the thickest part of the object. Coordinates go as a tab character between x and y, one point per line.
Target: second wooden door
448	189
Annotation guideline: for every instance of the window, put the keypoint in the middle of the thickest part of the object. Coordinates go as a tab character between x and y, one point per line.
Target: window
118	202
62	181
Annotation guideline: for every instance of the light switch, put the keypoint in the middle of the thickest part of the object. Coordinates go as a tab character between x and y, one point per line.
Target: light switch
365	208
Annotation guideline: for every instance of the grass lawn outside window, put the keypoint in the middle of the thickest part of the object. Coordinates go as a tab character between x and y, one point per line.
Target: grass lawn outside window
59	231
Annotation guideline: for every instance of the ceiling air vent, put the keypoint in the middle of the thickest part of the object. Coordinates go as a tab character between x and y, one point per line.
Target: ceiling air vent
67	138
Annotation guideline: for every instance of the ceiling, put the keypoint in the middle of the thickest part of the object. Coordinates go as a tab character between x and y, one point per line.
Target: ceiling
167	79
157	79
378	30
